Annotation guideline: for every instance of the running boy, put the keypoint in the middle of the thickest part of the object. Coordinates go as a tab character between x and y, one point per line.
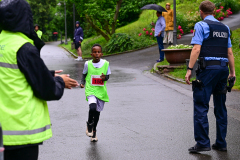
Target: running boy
95	74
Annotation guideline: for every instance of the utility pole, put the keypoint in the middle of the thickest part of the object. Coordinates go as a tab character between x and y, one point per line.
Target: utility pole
175	24
74	25
65	24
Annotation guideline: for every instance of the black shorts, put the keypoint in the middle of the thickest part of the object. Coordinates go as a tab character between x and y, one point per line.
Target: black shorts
77	45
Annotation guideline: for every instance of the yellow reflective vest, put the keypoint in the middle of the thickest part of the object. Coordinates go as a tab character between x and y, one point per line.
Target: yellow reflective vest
39	33
24	117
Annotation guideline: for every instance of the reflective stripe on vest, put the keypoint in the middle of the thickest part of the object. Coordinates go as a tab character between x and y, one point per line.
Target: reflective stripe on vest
29	132
7	65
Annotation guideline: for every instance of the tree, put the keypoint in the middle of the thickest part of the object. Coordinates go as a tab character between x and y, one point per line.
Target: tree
41	10
102	15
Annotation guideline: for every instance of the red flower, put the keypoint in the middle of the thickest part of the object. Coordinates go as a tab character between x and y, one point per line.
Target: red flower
214	15
221	7
140	34
222	18
144	29
229	9
227	16
151	34
181	30
179	27
179	37
147	32
191	31
153	29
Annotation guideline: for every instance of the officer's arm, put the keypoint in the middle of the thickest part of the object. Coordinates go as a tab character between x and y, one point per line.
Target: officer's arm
194	55
231	63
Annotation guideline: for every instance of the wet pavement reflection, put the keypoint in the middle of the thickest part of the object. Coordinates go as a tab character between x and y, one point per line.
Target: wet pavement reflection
144	119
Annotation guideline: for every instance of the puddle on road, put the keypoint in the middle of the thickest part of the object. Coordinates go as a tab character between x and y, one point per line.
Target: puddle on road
120	76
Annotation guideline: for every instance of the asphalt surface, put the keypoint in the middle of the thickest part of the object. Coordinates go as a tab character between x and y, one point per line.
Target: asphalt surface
148	116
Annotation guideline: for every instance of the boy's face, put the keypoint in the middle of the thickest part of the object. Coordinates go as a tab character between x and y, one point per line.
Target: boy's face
36	28
96	53
77	25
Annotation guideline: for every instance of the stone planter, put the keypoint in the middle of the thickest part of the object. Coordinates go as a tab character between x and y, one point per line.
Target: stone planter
177	56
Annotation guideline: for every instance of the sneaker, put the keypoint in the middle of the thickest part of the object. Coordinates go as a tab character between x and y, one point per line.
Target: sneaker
79	59
216	147
197	149
89	131
159	60
94	137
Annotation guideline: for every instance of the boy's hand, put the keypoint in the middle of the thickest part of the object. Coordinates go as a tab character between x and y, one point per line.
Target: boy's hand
81	85
103	77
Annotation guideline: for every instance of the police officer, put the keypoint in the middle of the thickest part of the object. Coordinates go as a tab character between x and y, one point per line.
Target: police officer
212	45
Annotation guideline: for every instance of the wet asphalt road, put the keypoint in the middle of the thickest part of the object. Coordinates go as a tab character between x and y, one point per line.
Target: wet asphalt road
148	117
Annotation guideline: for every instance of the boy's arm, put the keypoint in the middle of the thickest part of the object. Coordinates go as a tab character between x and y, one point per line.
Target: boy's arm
106	78
83	80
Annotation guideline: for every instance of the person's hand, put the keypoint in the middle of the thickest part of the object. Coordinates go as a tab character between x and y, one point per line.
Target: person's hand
232	75
58	71
1	149
159	34
103	77
188	76
81	85
69	83
80	42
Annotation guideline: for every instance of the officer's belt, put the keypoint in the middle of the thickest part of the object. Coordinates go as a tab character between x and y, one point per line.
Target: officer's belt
211	63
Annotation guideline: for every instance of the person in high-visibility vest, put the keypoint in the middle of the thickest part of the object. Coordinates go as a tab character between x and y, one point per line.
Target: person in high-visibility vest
26	84
39	33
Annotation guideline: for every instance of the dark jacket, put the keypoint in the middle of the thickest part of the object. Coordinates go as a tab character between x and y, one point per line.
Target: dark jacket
78	35
16	16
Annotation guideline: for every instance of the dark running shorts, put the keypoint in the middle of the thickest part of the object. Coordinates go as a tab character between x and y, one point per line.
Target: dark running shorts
77	45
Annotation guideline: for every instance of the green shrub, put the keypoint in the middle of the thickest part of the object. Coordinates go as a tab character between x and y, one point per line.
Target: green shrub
119	42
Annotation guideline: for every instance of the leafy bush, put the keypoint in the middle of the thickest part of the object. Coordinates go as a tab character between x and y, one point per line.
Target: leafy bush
118	43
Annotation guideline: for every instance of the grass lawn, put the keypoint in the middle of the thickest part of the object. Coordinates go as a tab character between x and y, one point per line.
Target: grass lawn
180	73
132	29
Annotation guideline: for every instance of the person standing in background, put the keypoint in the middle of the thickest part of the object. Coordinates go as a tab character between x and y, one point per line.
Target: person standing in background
39	33
168	34
159	34
78	38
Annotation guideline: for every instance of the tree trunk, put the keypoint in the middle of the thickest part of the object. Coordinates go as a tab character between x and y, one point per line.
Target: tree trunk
97	28
116	16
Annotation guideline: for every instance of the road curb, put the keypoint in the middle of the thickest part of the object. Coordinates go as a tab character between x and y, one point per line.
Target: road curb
166	75
69	52
114	54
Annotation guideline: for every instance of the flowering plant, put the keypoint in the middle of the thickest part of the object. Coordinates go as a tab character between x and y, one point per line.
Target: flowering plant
180	46
147	32
180	32
220	14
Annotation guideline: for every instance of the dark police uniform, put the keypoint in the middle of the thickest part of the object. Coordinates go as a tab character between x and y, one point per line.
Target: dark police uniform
214	38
